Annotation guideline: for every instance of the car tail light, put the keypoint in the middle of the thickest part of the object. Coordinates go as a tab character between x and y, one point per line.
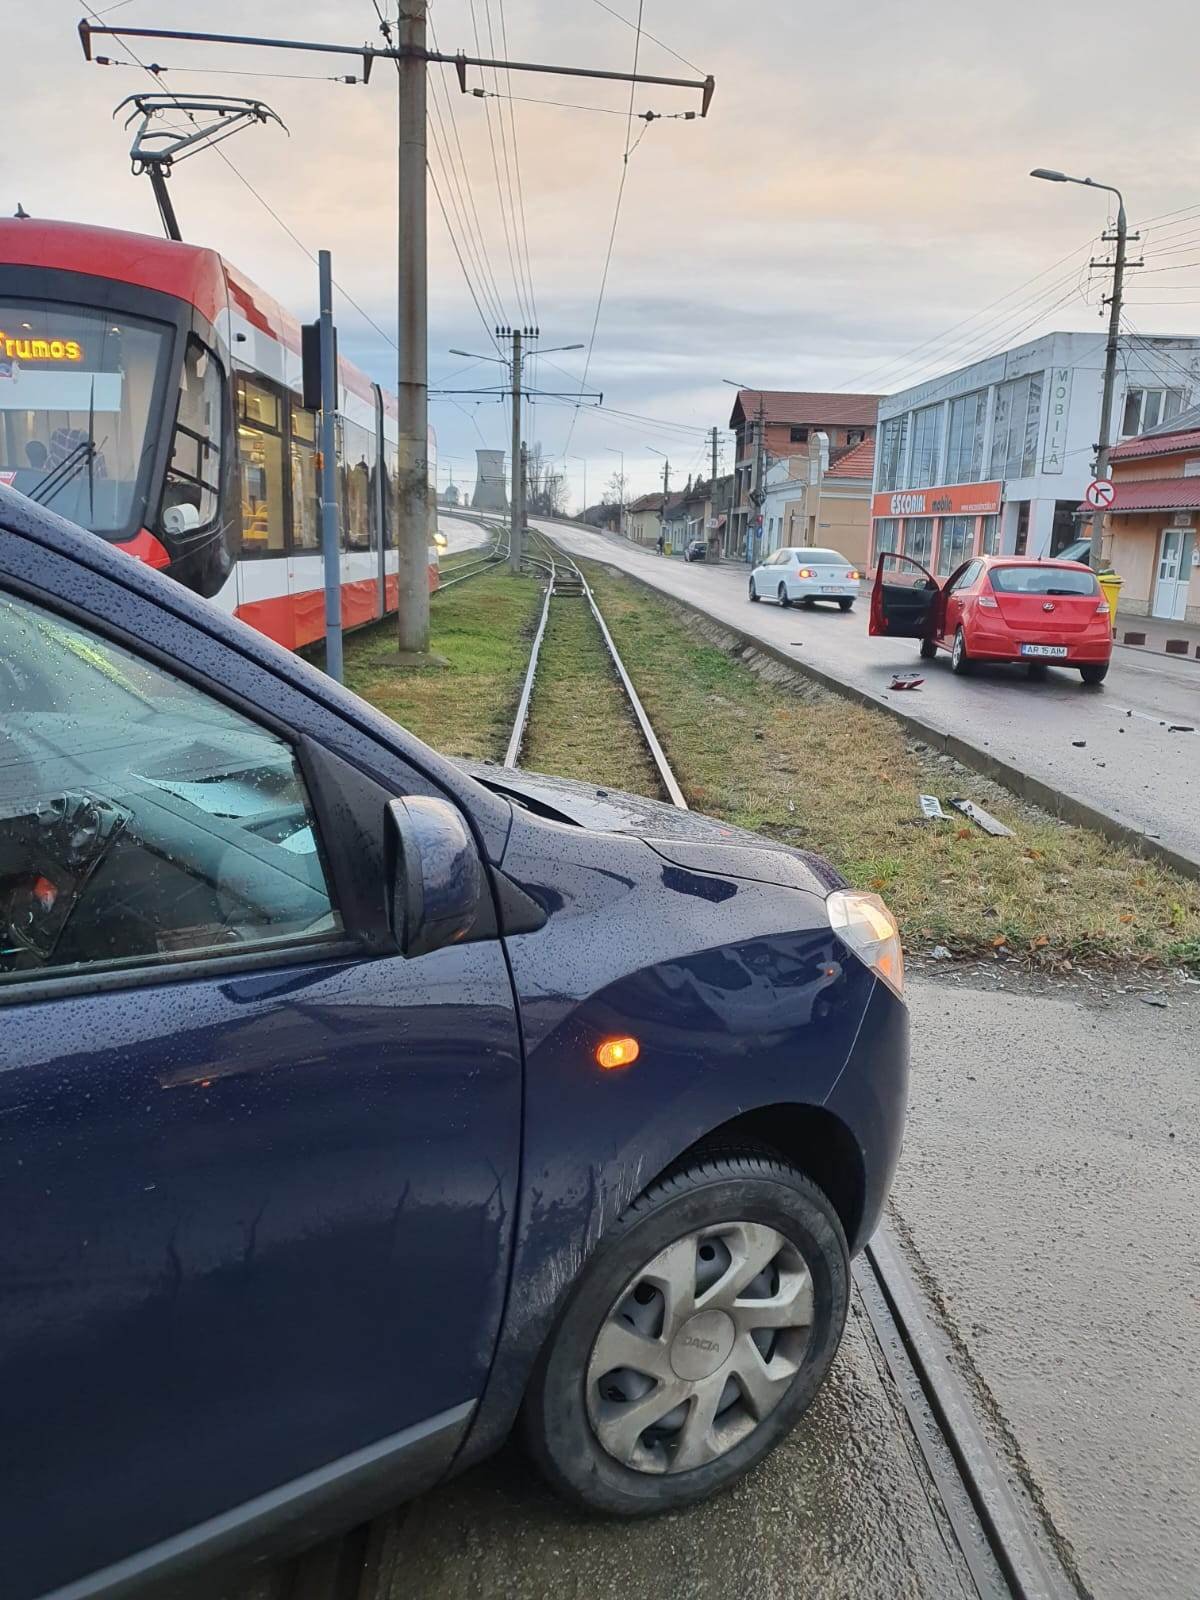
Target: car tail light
871	931
854	577
989	602
805	572
1102	608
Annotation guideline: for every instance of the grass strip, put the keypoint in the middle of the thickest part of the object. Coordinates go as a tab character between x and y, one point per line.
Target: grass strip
801	764
483	629
580	725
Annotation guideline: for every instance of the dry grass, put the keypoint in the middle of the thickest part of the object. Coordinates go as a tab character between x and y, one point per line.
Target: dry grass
801	764
483	628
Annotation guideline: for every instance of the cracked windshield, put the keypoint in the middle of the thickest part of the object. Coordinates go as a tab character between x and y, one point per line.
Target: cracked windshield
599	859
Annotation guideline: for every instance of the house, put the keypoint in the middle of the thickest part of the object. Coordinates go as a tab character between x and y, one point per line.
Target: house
1150	533
675	518
807	502
643	519
781	422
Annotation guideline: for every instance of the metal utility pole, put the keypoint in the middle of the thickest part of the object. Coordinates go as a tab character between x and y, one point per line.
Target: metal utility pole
516	508
412	58
412	369
1118	265
330	542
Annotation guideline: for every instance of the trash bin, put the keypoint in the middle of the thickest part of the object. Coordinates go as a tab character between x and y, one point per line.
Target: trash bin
1111	585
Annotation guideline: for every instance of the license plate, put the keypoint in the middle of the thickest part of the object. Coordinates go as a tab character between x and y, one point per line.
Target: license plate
831	588
1056	651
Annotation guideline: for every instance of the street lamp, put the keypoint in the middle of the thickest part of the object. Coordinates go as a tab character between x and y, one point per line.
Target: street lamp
1049	175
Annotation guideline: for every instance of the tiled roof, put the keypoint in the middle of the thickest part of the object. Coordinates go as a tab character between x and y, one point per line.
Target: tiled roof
646	502
801	406
1157	444
857	462
1155	494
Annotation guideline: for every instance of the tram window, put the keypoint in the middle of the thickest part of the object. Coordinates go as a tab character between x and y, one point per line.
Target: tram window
306	509
260	462
356	487
191	493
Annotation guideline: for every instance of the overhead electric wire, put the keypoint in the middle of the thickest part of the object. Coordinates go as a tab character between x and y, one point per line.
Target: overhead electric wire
612	234
512	118
242	179
638	25
483	251
504	217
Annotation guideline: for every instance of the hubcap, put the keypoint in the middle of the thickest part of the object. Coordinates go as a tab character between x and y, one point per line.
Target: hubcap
699	1347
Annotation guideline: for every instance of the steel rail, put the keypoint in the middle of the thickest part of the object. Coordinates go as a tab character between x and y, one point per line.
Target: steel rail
512	754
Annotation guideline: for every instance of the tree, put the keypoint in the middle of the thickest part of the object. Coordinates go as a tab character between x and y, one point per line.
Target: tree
616	492
545	490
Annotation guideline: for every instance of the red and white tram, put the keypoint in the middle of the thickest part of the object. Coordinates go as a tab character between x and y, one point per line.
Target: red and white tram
151	393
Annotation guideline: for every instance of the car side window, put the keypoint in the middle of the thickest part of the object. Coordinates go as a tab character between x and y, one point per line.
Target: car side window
141	821
965	578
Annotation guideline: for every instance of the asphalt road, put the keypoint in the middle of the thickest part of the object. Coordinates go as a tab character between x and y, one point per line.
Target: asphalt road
1050	1184
461	535
1130	766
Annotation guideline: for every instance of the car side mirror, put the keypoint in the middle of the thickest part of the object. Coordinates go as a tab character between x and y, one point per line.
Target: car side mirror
435	878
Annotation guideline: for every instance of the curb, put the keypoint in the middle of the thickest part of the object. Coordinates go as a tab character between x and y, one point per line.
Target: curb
1056	801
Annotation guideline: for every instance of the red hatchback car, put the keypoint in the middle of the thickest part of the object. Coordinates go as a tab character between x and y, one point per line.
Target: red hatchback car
997	608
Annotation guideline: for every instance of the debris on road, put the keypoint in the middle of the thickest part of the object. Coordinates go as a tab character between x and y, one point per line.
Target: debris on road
1180	727
940	953
1080	744
905	680
931	807
1152	999
984	819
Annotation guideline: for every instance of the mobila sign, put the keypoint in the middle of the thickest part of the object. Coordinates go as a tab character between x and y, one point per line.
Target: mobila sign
955	500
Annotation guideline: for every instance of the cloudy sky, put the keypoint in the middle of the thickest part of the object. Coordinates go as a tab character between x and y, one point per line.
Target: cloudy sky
849	216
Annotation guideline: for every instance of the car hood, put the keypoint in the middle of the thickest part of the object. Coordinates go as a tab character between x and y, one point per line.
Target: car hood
685	838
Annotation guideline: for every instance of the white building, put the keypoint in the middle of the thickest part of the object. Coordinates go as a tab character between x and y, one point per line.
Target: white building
995	457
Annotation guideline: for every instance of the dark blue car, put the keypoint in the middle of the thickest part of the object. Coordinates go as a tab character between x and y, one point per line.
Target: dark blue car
353	1108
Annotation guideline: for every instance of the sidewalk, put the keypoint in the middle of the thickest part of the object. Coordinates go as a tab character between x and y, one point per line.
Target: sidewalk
1153	634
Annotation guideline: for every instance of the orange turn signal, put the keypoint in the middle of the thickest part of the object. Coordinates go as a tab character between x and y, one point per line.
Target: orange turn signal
618	1053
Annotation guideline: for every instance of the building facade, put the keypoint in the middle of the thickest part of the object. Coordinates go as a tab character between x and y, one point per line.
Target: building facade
643	519
1150	534
809	503
994	458
771	425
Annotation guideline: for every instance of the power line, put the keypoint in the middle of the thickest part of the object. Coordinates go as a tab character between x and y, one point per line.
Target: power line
504	221
242	179
612	233
512	117
650	36
470	190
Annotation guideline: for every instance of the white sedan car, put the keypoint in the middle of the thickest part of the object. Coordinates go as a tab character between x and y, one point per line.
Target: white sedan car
806	575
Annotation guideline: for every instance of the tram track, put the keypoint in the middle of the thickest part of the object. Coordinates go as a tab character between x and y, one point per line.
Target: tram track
992	1525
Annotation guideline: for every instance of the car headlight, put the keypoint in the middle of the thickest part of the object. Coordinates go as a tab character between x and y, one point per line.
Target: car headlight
871	931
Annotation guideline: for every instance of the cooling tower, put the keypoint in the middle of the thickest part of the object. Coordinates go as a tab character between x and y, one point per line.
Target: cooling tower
489	481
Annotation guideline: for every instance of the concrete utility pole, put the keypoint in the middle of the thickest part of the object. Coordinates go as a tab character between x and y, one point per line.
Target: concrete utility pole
714	459
330	542
516	508
412	338
1118	264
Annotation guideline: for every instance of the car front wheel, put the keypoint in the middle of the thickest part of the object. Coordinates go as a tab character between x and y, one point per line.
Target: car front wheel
698	1333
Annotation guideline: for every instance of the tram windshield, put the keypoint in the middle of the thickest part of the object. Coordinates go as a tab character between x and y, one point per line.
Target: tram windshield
77	388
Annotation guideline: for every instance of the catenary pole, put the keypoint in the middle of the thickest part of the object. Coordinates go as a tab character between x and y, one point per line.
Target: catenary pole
516	509
412	372
330	544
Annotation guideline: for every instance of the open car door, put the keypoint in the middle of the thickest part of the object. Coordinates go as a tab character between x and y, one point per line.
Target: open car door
904	599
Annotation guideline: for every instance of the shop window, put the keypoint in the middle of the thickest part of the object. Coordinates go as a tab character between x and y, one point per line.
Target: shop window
964	449
918	539
891	451
956	543
887	534
191	493
306	498
798	435
927	429
260	471
1015	433
991	536
1022	542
